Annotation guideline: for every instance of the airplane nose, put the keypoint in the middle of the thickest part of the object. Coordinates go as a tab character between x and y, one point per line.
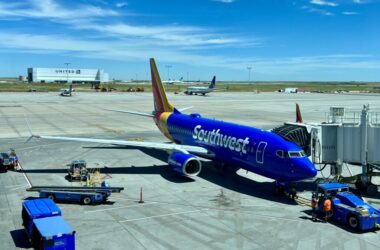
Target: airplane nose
306	169
312	171
309	169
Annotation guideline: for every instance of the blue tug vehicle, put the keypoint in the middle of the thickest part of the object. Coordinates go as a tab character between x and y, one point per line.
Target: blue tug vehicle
348	208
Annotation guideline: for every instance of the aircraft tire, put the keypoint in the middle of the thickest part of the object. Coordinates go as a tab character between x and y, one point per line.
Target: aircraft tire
292	193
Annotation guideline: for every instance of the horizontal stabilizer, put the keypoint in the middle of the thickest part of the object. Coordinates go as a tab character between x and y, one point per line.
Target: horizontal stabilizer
131	112
183	109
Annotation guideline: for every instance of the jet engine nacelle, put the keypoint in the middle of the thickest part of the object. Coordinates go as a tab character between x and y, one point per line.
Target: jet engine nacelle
185	164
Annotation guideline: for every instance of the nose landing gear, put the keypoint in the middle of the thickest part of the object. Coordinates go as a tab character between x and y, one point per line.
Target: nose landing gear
286	188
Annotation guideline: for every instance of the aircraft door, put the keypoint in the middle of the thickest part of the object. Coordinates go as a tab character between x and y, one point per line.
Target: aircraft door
260	152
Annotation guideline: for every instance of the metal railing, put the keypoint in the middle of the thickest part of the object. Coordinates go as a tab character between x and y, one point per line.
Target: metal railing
353	117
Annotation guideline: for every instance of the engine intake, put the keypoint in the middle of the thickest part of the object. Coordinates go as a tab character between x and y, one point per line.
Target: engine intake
185	164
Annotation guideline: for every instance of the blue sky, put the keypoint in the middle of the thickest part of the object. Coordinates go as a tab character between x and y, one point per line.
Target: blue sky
313	40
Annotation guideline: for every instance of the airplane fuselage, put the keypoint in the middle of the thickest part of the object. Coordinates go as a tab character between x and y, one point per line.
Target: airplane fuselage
246	147
198	90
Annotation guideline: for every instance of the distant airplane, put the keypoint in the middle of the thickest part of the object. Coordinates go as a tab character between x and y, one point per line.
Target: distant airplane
174	81
233	145
201	90
67	92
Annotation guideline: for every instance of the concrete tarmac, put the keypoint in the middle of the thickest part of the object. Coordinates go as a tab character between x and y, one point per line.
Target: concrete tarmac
214	210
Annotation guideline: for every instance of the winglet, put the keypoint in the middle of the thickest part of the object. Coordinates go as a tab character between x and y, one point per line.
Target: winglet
298	114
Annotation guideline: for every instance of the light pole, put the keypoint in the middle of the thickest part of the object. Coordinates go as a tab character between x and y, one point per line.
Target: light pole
67	77
168	67
67	71
249	73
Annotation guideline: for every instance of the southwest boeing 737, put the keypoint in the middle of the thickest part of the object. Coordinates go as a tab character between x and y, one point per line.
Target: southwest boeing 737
236	146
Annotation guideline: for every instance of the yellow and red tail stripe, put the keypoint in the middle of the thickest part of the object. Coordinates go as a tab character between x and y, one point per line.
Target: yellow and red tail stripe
163	124
161	103
162	107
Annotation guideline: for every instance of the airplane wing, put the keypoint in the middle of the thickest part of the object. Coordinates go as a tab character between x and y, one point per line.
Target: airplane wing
155	145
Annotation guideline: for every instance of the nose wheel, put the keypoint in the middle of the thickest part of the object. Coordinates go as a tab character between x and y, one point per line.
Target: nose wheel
287	189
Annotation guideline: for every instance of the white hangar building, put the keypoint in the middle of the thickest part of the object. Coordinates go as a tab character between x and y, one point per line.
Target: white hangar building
63	75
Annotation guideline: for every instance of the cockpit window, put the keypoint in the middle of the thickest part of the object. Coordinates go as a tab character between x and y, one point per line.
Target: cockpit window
296	154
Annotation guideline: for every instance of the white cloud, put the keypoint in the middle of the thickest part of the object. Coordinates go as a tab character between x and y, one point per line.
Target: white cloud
317	10
93	48
323	3
121	4
293	66
103	37
119	50
350	13
177	36
165	36
50	9
364	1
224	1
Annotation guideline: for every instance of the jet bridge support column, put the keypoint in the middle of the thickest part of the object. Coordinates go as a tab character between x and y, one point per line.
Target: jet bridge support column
364	136
364	182
336	169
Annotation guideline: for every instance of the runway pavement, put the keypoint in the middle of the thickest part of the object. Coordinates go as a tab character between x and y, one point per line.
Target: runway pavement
214	210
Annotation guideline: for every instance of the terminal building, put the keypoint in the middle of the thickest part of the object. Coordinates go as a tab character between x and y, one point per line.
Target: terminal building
63	75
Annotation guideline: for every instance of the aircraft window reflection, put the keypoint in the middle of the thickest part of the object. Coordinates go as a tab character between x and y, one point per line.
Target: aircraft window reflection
297	154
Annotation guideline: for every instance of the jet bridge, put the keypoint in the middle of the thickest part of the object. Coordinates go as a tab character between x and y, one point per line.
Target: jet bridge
346	137
295	133
353	138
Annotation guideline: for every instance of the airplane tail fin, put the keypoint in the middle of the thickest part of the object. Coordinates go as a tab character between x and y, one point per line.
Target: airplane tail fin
298	114
161	103
212	85
180	79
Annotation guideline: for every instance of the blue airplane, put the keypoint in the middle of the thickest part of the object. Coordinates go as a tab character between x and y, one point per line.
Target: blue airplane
236	146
